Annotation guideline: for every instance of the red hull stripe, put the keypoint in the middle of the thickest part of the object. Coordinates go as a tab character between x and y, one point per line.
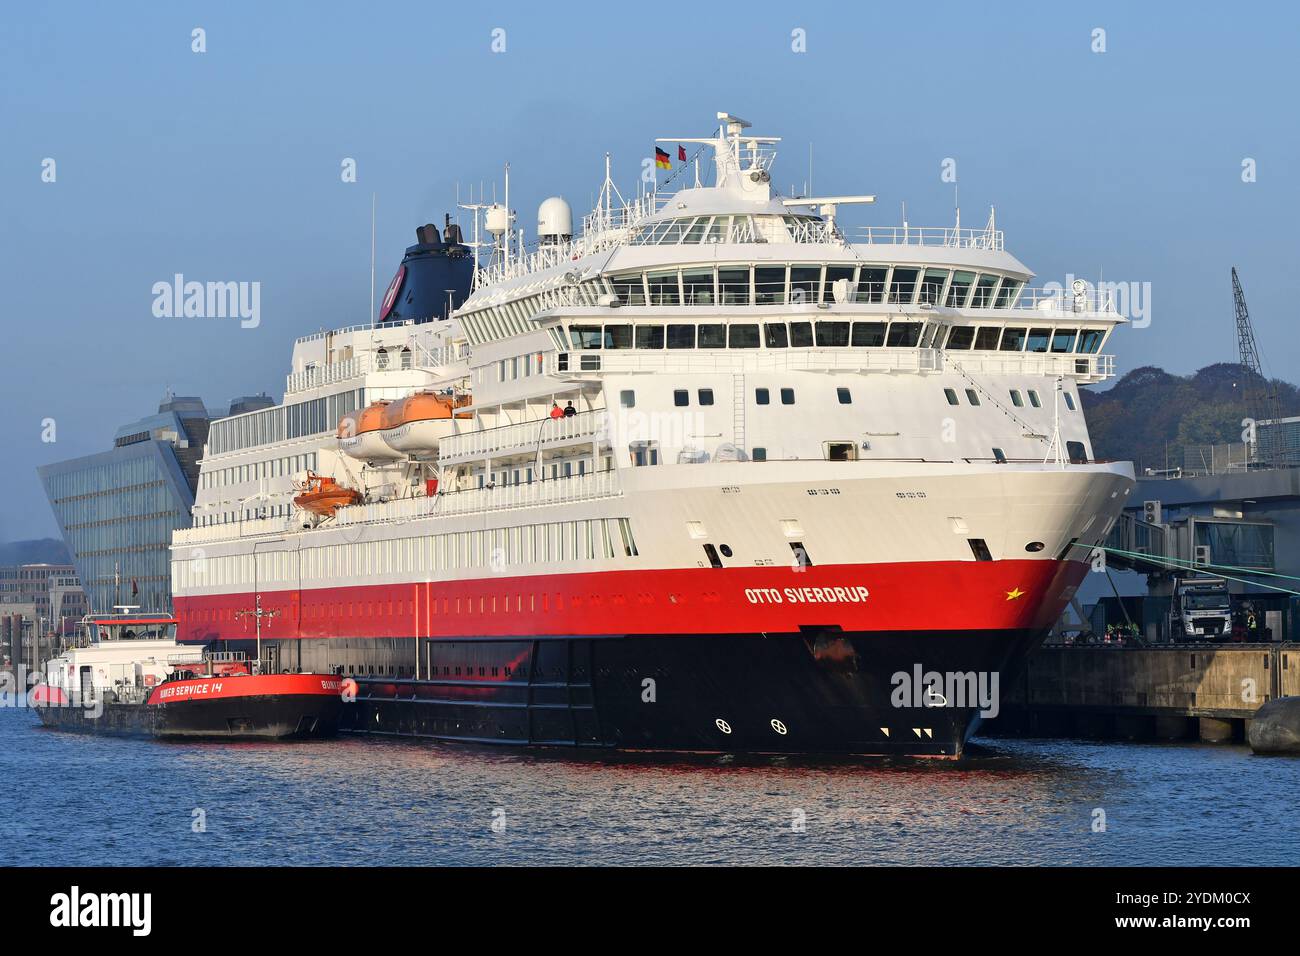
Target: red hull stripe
261	685
951	595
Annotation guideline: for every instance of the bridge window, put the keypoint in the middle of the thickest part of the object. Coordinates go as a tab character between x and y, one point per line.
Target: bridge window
787	396
983	297
972	397
1007	293
801	335
833	275
629	289
769	285
681	336
1063	340
713	336
959	289
1016	400
868	334
1034	399
697	287
805	283
1090	340
1013	340
681	397
832	334
932	285
586	336
775	335
733	286
664	288
986	338
706	396
649	336
902	287
743	336
762	397
960	337
951	395
904	334
844	395
618	336
1038	339
871	286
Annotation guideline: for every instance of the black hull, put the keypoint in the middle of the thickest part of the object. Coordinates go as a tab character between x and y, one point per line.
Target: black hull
282	717
818	692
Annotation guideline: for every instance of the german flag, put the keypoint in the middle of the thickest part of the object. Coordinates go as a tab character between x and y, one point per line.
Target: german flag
661	159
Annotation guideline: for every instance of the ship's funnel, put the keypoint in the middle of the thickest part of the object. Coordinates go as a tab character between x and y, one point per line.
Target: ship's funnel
434	277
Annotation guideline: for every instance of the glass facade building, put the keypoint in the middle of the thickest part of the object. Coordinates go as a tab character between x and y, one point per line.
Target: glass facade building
117	509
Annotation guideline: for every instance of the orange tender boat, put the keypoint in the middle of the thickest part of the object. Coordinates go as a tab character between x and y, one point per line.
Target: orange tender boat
324	496
360	434
415	424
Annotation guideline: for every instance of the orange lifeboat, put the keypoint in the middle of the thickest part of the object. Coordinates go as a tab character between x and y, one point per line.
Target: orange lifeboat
324	496
360	434
416	424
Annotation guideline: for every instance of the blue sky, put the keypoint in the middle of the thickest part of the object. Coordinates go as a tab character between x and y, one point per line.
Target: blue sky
225	165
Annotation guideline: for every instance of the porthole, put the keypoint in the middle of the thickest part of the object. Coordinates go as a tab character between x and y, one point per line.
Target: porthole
1034	546
726	550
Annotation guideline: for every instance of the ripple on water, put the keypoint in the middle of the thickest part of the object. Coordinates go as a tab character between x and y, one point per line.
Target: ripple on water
120	801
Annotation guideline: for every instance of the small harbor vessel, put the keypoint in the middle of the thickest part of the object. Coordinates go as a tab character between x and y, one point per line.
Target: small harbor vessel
126	674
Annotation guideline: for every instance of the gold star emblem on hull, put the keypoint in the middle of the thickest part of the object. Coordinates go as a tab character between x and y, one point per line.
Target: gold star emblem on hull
1015	594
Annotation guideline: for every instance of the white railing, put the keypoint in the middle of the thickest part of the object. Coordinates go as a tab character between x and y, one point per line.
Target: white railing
1045	364
1054	300
551	491
251	528
544	431
992	239
367	327
329	374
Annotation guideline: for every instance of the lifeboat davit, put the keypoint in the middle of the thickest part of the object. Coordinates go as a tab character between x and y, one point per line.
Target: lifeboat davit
416	424
324	496
360	434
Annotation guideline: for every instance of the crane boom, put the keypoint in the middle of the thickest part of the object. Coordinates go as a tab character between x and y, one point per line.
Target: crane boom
1261	397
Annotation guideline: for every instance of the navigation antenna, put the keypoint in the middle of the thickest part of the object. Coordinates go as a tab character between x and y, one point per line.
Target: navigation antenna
1260	396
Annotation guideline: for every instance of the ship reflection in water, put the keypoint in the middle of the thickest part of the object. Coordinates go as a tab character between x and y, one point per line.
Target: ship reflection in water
133	802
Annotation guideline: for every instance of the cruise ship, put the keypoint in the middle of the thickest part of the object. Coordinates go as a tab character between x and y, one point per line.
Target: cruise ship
713	472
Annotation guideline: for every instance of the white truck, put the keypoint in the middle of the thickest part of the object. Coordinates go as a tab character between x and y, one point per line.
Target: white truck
1202	610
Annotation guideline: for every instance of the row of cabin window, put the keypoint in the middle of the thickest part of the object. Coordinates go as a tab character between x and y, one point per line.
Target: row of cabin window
776	285
271	468
780	335
762	396
1016	398
282	422
994	338
584	539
